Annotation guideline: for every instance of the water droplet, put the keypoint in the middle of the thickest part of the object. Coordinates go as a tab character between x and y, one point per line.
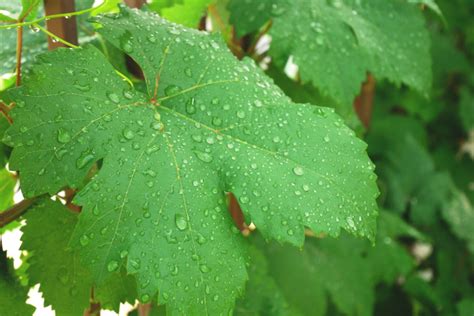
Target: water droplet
85	158
172	90
63	136
181	221
190	106
128	94
188	72
128	133
113	97
95	211
203	156
82	88
241	114
157	126
244	199
112	266
298	171
63	276
145	298
84	240
258	103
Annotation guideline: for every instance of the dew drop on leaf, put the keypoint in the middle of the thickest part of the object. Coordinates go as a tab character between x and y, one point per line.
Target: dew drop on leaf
128	133
84	240
63	136
298	171
112	266
180	221
203	156
145	298
85	158
172	90
113	97
204	268
190	106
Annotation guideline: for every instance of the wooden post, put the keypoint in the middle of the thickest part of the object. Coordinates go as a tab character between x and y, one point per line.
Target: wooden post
62	27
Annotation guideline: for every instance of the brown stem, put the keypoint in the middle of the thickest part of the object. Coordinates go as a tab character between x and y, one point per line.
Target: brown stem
236	213
15	211
68	197
19	48
363	103
4	109
94	307
144	309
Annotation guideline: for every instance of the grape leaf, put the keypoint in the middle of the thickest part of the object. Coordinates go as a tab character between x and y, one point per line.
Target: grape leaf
12	295
387	38
64	282
347	269
209	125
262	295
250	16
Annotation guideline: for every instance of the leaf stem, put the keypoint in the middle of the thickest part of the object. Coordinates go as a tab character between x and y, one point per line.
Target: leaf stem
4	109
54	36
49	17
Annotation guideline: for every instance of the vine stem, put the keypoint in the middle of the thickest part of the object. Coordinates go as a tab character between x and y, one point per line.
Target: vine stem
4	109
50	17
19	49
15	211
54	36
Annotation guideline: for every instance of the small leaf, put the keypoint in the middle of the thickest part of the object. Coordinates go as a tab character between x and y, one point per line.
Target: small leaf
64	282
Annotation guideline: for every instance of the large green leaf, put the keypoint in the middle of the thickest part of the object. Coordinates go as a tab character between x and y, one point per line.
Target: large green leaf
336	43
208	125
64	282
